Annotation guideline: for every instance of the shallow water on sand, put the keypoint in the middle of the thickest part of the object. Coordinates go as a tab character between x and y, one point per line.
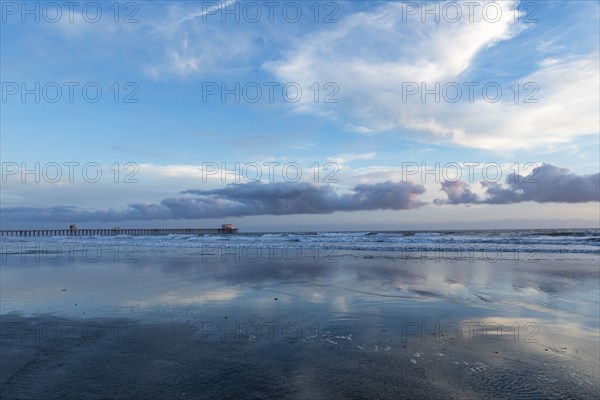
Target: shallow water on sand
186	323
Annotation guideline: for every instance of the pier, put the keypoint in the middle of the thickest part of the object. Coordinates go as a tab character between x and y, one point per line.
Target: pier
74	231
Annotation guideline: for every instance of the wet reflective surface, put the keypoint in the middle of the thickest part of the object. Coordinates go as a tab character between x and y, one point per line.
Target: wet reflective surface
173	323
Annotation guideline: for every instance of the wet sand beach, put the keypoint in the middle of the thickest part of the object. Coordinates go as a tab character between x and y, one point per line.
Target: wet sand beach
173	323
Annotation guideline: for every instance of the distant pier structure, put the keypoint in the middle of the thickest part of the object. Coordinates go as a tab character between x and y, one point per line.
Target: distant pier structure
74	231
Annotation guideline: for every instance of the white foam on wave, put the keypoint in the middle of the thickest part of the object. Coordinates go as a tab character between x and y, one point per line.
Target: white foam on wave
575	241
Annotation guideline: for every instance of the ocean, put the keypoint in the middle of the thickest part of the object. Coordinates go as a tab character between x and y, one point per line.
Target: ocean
487	241
303	315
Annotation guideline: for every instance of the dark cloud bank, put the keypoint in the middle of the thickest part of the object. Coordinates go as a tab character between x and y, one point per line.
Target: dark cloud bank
546	183
238	200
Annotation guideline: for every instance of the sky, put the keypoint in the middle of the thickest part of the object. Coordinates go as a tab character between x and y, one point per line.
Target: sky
305	115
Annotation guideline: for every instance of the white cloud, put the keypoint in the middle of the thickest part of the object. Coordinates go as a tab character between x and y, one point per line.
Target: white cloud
567	107
371	81
193	46
346	158
207	9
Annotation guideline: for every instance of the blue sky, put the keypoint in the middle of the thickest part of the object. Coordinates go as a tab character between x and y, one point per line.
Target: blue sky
364	58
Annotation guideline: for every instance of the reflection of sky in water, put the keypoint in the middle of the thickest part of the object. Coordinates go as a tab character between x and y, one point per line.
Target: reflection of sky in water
381	289
373	315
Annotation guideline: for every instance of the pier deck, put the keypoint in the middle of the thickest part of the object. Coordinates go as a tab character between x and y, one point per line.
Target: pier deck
113	232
